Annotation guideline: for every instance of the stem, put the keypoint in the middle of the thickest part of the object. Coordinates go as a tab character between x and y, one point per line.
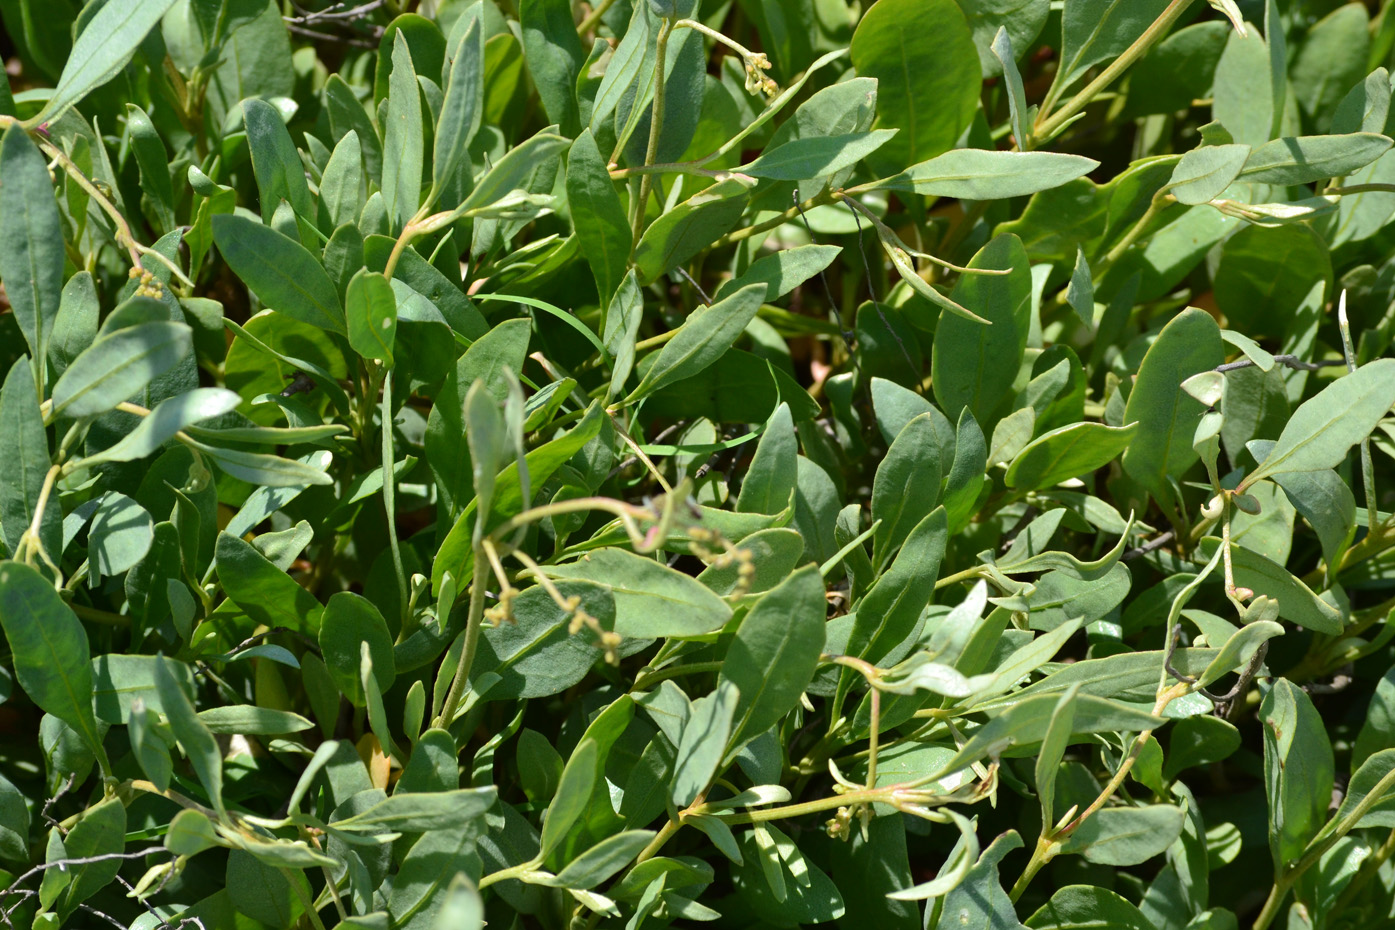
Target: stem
1272	903
472	638
656	123
1154	208
774	222
390	496
645	682
1043	854
663	836
1049	845
34	545
1368	476
1046	127
594	17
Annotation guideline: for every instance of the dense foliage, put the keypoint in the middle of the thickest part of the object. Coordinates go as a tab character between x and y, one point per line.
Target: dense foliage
769	463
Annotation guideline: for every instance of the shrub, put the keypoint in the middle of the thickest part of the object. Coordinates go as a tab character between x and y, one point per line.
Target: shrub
771	464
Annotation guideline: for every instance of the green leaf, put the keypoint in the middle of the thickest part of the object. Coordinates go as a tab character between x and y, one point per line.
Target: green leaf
196	739
101	832
120	535
280	175
923	58
1298	769
597	215
1204	173
974	365
1166	415
120	680
688	228
282	273
24	445
413	812
703	742
265	470
370	309
118	365
979	174
554	56
603	860
1365	788
248	719
704	337
888	614
49	651
1093	31
1305	159
1053	747
402	138
1079	907
1197	741
1025	724
168	418
979	900
1239	648
1322	431
573	793
341	185
773	473
266	593
107	43
783	271
461	907
190	833
816	156
1067	452
773	656
537	654
1119	836
460	110
513	170
651	599
906	487
31	240
348	621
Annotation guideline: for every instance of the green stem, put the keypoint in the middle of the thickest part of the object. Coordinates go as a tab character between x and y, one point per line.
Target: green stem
646	681
472	637
594	17
390	496
1047	127
774	222
1154	208
1273	903
1043	854
656	125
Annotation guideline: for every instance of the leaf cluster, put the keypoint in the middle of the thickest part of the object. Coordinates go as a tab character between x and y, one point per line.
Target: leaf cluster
768	463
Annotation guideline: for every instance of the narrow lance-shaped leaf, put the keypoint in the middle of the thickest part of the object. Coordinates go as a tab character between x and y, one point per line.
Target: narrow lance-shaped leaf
402	138
118	365
775	653
280	271
704	338
1324	428
24	449
49	650
106	44
31	240
597	215
977	174
460	108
